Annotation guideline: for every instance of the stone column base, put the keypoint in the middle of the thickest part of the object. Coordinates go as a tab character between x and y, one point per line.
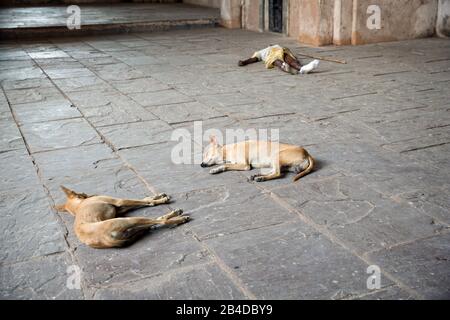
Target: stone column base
230	13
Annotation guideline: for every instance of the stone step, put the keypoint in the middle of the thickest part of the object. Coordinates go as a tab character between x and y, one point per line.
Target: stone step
51	21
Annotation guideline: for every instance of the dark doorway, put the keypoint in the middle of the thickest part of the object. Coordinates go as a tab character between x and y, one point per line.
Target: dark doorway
276	15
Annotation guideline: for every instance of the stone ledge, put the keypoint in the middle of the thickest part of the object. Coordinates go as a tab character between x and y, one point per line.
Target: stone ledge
101	29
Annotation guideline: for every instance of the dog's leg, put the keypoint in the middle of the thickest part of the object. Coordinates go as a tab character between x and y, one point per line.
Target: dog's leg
149	201
230	167
171	214
271	176
120	231
276	173
174	218
124	205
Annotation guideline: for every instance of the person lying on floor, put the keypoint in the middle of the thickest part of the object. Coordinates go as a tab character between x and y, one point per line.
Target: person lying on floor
282	58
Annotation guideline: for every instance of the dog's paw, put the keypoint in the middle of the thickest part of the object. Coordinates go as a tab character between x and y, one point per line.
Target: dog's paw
184	218
171	215
161	196
215	170
177	212
158	199
179	220
258	179
253	177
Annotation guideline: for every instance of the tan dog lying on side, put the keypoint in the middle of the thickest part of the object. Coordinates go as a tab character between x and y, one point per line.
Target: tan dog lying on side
243	156
97	226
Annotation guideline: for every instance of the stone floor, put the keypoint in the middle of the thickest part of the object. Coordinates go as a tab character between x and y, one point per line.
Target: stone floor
97	114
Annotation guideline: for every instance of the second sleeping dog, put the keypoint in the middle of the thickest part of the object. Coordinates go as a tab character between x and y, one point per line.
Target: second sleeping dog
246	155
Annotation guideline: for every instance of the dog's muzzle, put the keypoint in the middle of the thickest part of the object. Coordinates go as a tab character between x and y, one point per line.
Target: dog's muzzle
203	165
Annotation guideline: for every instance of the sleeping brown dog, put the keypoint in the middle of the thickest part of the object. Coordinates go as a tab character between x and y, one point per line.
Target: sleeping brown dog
96	222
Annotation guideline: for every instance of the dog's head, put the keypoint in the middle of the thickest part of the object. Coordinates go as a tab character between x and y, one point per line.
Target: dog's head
213	153
73	200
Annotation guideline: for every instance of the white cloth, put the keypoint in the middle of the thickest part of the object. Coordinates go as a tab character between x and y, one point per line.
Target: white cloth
264	53
309	67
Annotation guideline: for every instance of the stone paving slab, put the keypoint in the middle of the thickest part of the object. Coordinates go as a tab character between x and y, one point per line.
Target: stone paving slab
117	71
4	107
139	85
160	252
157	98
432	201
385	171
29	224
389	293
48	110
58	73
99	115
34	256
32	95
28	280
52	135
271	269
137	133
428	257
10	139
21	73
89	99
358	215
117	113
196	282
16	170
82	84
202	88
93	169
27	84
154	164
231	209
184	112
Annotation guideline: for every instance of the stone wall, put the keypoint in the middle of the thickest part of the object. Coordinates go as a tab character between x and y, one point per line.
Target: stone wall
315	21
343	22
400	20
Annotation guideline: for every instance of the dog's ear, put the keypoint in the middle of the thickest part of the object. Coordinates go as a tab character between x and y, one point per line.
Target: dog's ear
213	139
72	194
69	193
60	208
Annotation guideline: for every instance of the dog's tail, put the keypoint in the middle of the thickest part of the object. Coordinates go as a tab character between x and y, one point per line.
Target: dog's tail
307	170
